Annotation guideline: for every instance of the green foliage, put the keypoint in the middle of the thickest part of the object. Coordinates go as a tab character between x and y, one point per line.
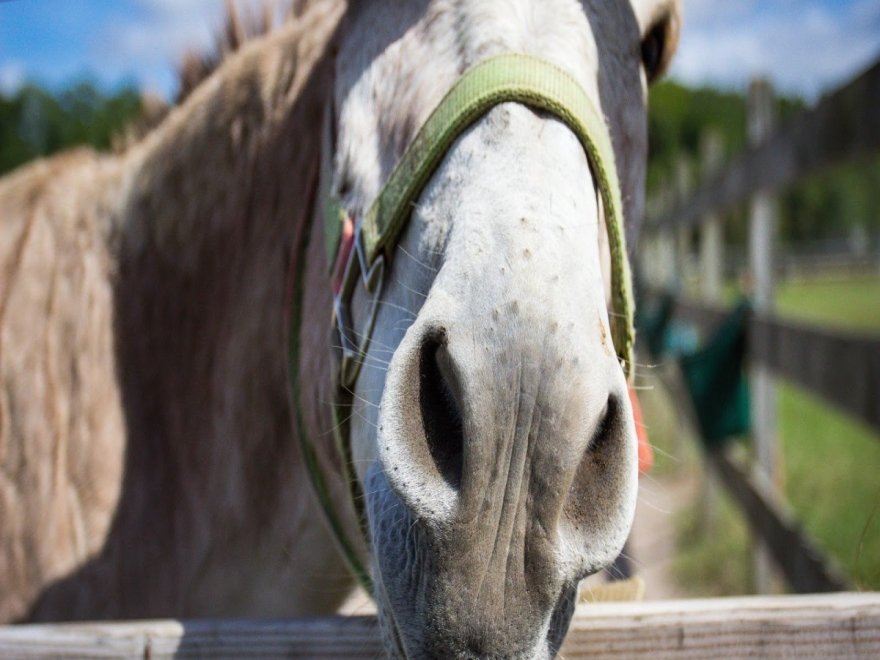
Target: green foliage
831	204
828	205
678	116
35	122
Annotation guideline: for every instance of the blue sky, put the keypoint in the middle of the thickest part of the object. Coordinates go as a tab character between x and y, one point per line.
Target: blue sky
109	41
804	46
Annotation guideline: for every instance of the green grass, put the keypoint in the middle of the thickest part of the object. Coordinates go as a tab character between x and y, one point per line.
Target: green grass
674	444
832	481
710	560
716	560
853	304
830	463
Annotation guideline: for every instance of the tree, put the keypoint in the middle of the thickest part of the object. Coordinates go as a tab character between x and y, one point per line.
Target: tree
35	122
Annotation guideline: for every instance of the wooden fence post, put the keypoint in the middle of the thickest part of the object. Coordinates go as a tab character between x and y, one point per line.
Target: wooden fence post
762	230
653	268
711	278
665	249
683	186
711	234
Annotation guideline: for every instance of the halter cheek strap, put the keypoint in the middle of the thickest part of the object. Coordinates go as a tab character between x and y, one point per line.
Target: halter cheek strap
360	249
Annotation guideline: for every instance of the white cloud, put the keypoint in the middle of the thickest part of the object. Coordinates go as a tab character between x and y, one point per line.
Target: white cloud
149	47
804	46
12	75
800	45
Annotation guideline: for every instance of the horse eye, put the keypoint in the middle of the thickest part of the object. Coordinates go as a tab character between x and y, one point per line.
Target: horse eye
653	46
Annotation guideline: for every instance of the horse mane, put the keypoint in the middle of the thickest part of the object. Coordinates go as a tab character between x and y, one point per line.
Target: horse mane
208	204
238	28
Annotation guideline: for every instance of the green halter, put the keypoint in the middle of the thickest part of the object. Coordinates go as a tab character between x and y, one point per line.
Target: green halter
514	77
505	78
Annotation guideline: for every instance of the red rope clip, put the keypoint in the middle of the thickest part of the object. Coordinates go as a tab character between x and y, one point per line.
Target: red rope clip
646	454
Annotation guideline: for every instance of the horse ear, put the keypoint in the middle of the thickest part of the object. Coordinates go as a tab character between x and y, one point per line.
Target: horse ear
660	39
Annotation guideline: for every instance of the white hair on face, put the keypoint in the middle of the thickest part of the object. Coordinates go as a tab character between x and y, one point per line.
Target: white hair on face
496	290
385	99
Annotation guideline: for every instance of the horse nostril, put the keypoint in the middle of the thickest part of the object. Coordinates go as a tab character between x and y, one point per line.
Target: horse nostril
608	427
441	414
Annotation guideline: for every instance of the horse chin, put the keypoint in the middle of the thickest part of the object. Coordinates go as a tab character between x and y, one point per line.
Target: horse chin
396	566
410	598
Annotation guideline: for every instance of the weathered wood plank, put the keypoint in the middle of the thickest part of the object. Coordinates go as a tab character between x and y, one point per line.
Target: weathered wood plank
843	126
331	637
830	626
763	219
805	567
820	626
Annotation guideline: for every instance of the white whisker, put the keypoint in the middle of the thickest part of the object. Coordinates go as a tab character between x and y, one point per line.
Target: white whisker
416	259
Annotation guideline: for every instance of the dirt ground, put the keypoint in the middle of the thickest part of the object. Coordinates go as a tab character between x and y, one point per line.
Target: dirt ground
652	542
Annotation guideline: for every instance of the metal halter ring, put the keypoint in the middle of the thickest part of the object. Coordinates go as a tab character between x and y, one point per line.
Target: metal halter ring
354	344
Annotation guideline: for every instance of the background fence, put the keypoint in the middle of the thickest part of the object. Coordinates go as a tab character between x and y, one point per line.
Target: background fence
819	626
841	368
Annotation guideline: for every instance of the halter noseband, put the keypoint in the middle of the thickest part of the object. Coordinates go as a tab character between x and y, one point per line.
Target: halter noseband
361	251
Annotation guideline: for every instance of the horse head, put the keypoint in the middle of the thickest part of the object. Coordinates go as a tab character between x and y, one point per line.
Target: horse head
488	416
478	161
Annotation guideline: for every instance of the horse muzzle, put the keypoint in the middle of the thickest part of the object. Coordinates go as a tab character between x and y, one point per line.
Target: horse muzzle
506	473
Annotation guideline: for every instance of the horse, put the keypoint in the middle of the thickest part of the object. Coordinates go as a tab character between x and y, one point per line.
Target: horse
232	386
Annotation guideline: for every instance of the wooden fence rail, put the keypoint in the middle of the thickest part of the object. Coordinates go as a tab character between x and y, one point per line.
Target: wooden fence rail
804	565
844	125
818	626
843	368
